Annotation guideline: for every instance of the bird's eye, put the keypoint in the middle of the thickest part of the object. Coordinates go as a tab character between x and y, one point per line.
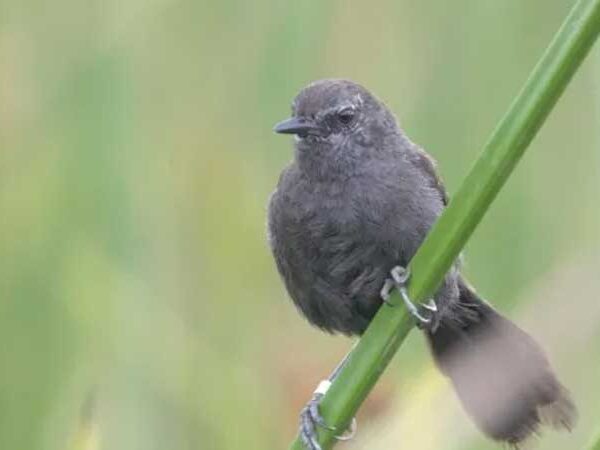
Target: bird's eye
346	115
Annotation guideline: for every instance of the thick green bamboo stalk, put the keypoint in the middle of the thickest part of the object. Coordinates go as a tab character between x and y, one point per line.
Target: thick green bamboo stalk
507	144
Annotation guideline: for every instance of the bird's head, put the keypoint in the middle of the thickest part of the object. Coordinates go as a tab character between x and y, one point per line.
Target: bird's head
337	118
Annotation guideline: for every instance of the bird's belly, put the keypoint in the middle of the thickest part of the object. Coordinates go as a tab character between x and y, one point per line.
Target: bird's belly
347	271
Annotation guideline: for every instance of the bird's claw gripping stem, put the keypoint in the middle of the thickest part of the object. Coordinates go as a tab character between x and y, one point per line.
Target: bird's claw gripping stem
310	418
400	276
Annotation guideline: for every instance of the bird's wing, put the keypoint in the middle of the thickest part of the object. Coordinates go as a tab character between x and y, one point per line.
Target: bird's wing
427	164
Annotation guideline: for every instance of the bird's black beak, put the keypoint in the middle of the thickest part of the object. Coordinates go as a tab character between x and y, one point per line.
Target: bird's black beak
296	125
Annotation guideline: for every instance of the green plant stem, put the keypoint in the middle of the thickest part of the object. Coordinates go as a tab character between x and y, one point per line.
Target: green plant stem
371	355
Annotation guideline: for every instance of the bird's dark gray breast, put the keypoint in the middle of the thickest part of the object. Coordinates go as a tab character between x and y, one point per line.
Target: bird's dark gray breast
335	242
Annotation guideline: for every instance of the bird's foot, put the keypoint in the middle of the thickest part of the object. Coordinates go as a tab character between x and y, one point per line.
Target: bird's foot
310	419
426	315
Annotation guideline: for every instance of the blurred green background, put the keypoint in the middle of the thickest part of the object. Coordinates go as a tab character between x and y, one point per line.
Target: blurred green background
139	306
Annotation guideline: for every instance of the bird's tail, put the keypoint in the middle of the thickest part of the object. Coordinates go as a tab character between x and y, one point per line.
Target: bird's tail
500	374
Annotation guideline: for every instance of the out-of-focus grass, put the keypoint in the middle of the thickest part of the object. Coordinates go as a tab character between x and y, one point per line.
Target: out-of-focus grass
595	443
136	158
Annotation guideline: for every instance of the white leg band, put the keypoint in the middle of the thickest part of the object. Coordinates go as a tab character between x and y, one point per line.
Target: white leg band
323	387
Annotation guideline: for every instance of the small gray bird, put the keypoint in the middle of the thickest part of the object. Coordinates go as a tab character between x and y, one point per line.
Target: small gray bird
348	214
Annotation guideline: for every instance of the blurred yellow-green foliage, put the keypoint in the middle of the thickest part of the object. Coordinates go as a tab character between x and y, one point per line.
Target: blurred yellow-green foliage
139	306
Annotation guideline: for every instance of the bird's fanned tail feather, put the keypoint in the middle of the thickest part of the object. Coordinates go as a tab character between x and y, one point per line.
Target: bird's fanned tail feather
500	374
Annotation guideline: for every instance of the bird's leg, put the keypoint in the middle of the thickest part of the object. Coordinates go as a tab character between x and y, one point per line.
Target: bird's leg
310	417
386	291
426	314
